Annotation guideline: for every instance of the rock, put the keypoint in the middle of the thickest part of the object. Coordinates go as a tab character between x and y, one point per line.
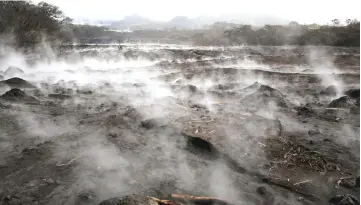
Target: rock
16	95
353	93
191	88
86	196
330	91
129	200
188	76
50	181
84	91
342	102
305	111
59	96
17	83
261	190
314	131
13	71
268	197
263	97
198	106
346	199
1	77
149	123
348	182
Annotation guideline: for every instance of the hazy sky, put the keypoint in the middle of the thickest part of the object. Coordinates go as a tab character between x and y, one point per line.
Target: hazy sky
304	11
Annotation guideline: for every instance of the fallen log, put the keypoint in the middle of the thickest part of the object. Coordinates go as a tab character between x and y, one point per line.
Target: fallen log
181	199
289	186
164	202
188	199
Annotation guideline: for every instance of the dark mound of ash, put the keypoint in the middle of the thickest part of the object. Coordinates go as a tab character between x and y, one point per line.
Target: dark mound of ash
17	95
342	102
353	93
264	97
59	96
13	71
128	200
252	87
16	83
330	91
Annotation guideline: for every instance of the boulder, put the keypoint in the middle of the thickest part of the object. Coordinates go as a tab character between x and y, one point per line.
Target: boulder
129	200
314	131
330	91
16	83
13	71
148	123
342	102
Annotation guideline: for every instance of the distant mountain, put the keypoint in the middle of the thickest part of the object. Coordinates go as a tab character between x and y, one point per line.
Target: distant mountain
131	21
182	22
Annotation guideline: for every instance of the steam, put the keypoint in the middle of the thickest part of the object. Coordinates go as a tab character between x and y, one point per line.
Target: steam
116	157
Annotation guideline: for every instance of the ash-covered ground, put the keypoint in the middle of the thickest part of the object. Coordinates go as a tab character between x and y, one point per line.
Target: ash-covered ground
246	125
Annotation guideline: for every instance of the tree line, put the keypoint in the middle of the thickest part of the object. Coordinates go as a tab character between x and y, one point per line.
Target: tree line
334	34
24	24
